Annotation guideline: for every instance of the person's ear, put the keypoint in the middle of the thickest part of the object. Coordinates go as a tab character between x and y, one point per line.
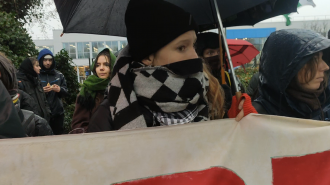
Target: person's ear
148	61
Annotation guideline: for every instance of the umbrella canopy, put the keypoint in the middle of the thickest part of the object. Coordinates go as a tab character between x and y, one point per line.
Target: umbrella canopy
241	51
106	17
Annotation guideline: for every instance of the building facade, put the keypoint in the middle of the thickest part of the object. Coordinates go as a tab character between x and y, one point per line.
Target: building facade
83	48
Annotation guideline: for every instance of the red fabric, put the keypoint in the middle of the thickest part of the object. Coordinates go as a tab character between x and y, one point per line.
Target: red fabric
310	169
247	106
241	51
211	176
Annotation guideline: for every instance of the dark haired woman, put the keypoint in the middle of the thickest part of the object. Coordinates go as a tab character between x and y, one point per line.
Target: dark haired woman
29	82
159	79
293	81
92	91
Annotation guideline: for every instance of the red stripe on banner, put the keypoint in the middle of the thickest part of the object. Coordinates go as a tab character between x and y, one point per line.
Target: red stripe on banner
211	176
312	169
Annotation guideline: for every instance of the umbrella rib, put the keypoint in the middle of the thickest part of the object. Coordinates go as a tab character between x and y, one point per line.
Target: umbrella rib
214	19
73	12
105	24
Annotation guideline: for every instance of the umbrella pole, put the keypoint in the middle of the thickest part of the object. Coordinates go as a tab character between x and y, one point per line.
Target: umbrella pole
237	88
223	80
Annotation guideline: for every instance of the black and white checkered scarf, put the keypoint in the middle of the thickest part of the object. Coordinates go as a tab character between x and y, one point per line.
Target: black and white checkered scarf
174	93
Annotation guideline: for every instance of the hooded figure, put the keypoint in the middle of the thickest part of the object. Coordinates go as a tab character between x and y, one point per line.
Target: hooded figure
207	47
54	85
290	67
158	78
92	91
33	125
10	123
28	81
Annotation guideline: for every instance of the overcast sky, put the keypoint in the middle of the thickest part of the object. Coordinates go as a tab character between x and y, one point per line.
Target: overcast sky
322	9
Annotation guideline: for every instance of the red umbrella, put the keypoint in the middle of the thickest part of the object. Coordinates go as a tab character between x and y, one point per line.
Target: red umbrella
241	52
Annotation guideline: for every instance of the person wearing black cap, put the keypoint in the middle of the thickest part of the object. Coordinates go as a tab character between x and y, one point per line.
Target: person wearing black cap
29	82
159	79
207	47
54	85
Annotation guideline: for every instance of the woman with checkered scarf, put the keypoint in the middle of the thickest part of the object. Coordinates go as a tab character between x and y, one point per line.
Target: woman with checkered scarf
158	79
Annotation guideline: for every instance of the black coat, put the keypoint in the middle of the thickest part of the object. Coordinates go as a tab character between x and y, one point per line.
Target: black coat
229	88
33	124
284	54
27	102
37	93
55	99
10	123
101	120
52	77
252	89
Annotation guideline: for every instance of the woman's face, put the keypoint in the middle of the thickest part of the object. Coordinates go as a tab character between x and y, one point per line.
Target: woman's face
315	83
36	67
181	48
102	67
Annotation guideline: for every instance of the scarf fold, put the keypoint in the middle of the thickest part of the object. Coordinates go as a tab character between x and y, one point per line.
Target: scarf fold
171	98
89	89
310	97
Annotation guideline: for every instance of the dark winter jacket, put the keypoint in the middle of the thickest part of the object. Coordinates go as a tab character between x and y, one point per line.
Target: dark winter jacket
10	123
52	77
101	120
34	90
27	102
284	54
82	115
229	88
33	124
252	89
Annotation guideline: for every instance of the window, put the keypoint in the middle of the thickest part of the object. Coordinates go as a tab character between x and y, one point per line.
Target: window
112	45
122	44
83	49
71	49
97	47
83	72
51	48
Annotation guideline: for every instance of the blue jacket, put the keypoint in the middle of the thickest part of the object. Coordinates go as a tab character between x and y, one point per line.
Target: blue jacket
52	77
284	54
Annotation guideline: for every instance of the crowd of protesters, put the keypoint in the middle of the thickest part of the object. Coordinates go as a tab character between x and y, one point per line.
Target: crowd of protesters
168	74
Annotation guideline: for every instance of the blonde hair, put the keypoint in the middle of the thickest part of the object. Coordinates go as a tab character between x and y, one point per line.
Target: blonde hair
215	95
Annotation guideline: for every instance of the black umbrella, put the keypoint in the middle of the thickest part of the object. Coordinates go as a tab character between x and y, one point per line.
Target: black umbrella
106	17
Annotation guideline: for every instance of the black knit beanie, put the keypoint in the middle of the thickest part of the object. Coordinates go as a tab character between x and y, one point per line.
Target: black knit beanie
152	24
206	40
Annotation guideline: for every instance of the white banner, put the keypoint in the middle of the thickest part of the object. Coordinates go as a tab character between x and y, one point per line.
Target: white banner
259	150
